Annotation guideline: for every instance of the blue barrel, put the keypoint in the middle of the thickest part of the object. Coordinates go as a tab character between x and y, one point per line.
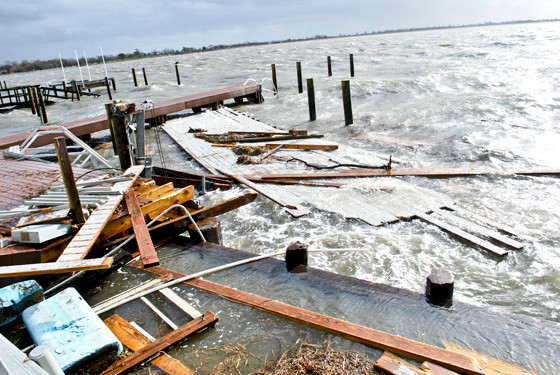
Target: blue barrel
77	337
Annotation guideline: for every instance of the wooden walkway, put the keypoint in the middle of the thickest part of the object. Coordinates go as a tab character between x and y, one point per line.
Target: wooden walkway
373	199
99	123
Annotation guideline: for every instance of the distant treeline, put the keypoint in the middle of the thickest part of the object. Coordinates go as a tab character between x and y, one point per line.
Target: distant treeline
28	66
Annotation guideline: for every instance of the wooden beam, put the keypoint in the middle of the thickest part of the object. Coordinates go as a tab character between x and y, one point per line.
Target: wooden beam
286	146
436	369
396	344
490	365
393	365
56	267
464	235
145	245
151	209
82	243
145	187
158	192
135	340
161	344
437	173
68	178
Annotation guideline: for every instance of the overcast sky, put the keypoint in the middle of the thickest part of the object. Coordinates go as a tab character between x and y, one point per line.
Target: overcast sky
40	29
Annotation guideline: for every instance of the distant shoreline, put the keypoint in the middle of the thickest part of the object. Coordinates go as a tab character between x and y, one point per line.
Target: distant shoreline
28	66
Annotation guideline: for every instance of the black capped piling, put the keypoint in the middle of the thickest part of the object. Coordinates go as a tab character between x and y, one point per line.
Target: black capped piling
108	88
299	77
296	257
351	65
177	73
311	99
211	229
347	102
274	78
439	286
329	66
145	76
134	77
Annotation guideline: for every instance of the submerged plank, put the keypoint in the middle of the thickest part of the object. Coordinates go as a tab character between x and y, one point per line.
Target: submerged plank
485	220
393	365
396	344
135	340
436	369
490	365
56	267
145	245
464	235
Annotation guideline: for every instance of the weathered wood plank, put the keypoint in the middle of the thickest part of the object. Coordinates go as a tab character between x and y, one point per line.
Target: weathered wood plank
163	343
396	344
490	365
436	369
286	146
56	267
158	192
480	229
464	235
92	229
135	340
145	245
485	220
181	303
393	365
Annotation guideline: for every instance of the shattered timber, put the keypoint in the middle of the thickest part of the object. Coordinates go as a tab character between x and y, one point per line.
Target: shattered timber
67	228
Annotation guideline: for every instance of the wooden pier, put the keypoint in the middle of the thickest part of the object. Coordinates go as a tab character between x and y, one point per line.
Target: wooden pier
99	123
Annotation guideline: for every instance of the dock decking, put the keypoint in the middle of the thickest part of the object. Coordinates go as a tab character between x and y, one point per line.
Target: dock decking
99	123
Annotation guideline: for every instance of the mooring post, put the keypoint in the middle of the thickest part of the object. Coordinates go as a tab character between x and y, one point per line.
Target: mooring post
347	102
65	89
329	67
177	73
121	139
68	178
296	257
439	286
42	105
299	78
111	130
108	88
134	77
311	99
114	84
211	229
31	100
274	79
351	65
36	98
75	87
145	76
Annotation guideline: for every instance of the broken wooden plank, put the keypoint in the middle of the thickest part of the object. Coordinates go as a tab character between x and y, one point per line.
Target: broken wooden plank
286	146
181	303
490	365
393	365
151	209
87	235
480	229
485	220
436	369
163	343
43	217
145	245
396	344
127	293
274	138
145	187
158	192
134	340
56	267
464	235
298	182
418	172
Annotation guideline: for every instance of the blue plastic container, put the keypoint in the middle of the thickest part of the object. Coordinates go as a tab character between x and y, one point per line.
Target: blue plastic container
77	337
17	297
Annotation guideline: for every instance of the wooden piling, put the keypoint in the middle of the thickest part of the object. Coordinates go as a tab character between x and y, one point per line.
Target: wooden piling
43	109
351	65
299	77
36	99
439	286
177	73
65	89
145	76
31	100
296	257
311	99
76	89
134	77
111	130
329	67
274	79
108	88
211	229
114	83
121	139
347	102
68	178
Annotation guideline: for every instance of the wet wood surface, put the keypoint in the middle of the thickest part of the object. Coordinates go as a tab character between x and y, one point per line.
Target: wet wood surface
143	240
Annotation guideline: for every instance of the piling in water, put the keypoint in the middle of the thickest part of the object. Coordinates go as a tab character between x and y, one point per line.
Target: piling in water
134	77
76	90
439	286
351	65
177	73
42	106
296	257
299	77
108	88
211	229
329	67
274	79
311	99
145	77
31	100
347	102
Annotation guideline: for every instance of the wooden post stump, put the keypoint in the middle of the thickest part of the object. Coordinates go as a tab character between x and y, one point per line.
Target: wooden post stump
329	66
299	77
439	286
177	73
274	79
311	100
351	65
347	103
211	229
296	257
134	77
145	76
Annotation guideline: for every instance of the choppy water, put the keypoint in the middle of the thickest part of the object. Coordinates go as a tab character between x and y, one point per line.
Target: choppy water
477	97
